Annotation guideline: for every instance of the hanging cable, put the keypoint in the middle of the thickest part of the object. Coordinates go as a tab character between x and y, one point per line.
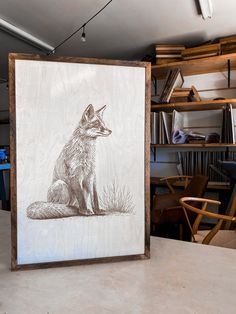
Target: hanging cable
83	38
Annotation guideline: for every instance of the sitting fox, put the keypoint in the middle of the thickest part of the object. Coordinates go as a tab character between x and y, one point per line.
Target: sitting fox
73	189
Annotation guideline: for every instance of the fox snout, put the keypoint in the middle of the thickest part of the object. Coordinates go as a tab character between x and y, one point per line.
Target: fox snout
97	131
101	131
105	132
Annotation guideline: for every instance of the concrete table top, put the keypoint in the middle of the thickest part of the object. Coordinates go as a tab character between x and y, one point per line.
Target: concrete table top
179	278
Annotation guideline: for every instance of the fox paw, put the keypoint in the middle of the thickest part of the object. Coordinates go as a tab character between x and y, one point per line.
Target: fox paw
100	212
88	212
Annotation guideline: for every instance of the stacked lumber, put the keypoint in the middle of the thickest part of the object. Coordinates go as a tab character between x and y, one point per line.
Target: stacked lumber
174	79
202	51
168	53
228	45
184	95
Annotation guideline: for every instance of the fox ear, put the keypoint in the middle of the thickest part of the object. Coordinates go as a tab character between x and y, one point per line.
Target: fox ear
101	110
88	113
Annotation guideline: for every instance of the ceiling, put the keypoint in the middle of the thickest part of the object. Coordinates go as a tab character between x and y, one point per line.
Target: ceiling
126	29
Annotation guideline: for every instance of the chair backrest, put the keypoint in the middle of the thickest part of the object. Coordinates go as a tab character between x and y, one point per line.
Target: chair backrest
175	181
187	204
197	186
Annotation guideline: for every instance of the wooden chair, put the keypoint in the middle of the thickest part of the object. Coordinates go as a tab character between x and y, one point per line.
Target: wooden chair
215	236
166	212
176	181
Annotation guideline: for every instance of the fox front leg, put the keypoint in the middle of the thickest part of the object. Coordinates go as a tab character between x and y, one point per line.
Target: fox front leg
79	192
91	192
94	200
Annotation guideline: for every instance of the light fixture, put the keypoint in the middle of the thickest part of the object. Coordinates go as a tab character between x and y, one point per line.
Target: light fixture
206	8
83	36
36	42
19	33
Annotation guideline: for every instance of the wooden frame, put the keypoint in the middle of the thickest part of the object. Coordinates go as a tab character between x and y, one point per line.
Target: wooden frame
13	58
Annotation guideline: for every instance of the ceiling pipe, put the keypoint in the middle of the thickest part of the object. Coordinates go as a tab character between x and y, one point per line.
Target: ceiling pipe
22	35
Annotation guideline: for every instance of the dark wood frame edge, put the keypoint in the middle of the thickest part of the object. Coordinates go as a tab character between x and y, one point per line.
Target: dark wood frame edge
147	157
12	104
12	113
110	259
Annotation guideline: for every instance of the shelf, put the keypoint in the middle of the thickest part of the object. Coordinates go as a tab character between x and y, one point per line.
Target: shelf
197	66
212	145
197	105
4	121
211	185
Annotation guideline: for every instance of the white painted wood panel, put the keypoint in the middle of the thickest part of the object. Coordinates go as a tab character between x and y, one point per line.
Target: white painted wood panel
50	99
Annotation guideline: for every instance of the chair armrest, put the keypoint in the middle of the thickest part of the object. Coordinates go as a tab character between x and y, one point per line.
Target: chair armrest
204	212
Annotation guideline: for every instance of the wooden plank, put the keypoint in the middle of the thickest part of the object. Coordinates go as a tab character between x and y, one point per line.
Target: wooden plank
210	185
79	262
195	105
13	175
24	56
197	66
193	145
147	157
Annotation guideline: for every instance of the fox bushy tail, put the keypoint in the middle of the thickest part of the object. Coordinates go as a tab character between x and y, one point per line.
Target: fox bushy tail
47	210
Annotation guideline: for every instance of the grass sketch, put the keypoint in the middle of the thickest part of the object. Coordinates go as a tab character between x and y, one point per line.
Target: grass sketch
116	199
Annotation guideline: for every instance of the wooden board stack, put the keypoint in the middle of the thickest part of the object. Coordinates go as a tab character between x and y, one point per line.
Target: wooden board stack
174	79
228	45
173	53
201	52
168	53
185	95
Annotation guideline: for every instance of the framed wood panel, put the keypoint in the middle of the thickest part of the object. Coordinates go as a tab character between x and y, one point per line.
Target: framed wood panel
80	180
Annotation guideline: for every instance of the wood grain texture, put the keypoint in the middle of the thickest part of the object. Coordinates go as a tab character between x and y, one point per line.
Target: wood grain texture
201	212
23	56
12	96
12	108
197	66
81	262
193	145
195	105
147	158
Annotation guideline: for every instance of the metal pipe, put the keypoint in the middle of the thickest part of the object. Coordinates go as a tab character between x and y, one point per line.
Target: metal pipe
28	38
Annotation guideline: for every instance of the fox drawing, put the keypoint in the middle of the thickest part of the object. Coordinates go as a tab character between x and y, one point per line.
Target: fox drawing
73	189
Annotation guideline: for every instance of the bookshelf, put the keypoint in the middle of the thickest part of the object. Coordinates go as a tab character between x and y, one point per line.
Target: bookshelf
220	63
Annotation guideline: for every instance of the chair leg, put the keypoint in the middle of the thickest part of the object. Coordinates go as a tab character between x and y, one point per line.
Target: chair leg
153	228
181	231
